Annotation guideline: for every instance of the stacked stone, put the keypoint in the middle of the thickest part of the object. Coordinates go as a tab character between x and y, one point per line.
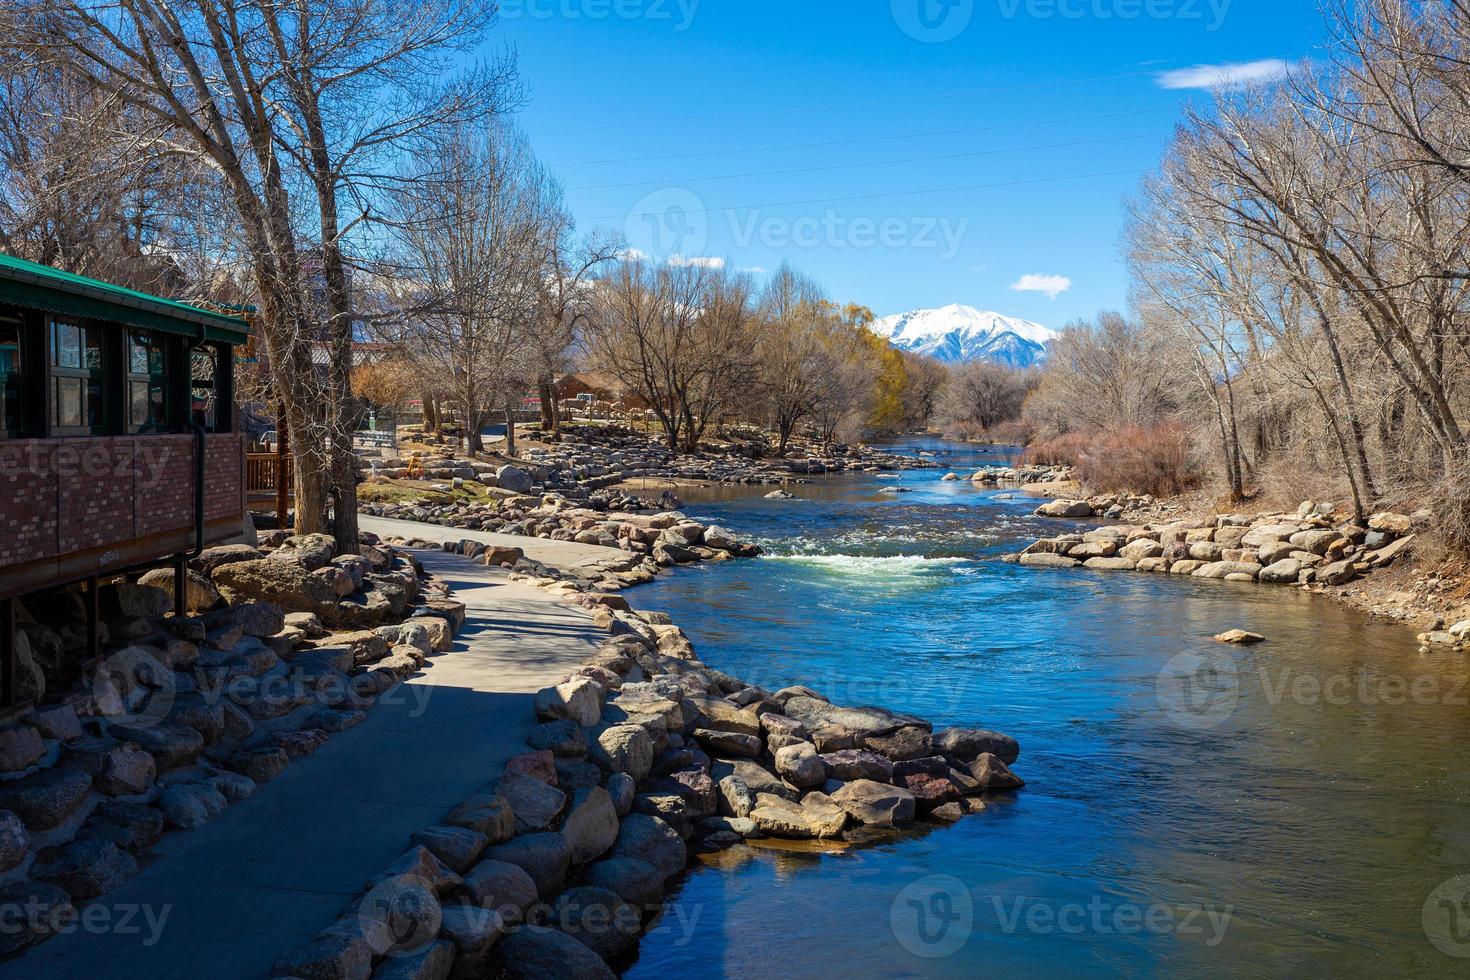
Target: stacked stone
643	753
182	715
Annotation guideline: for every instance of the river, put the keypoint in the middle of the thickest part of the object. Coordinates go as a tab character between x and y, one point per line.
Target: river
1190	808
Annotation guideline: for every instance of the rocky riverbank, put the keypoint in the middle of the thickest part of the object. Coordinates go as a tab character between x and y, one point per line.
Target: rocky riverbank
287	645
589	463
643	755
1314	549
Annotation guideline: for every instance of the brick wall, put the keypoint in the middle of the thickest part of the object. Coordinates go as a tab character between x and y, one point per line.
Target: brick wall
60	496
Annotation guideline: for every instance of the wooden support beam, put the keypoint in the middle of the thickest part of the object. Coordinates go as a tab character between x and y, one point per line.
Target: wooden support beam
8	653
94	620
181	587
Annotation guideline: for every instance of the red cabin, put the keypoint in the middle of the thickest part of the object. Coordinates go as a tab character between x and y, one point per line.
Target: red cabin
118	447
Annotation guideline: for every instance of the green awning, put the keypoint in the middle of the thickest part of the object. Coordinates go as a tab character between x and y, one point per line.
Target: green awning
40	287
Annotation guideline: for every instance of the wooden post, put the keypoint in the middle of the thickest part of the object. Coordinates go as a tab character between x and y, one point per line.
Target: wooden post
8	656
283	436
94	621
181	587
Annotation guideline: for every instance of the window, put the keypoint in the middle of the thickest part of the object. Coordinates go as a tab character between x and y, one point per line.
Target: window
76	379
203	390
11	422
147	383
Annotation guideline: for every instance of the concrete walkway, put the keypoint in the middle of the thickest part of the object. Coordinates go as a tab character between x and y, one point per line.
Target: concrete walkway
569	556
271	871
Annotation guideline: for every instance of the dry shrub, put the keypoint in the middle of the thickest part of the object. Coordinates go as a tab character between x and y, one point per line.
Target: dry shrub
1062	450
1450	502
1157	460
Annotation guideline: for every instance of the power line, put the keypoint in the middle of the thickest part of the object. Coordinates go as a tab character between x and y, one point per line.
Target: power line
867	139
871	163
846	105
870	197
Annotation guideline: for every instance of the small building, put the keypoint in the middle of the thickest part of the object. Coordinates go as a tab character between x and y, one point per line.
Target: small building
118	444
600	386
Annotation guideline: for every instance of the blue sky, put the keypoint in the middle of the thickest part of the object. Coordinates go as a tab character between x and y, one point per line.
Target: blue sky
906	153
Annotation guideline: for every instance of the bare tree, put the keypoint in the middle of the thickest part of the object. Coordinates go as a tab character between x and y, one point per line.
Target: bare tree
473	225
678	337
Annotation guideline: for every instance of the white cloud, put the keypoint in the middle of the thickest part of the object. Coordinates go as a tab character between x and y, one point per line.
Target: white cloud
1230	75
632	255
755	270
703	261
1034	283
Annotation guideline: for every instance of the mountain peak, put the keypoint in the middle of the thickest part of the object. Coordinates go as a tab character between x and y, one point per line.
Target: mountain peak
958	332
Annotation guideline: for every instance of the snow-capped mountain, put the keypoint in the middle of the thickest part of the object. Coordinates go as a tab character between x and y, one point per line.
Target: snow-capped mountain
962	333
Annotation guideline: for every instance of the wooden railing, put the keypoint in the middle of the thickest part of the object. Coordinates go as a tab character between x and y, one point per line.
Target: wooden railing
268	478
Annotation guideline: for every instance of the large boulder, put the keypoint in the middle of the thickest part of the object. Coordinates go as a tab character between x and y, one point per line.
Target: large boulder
866	721
1227	569
199	591
545	857
312	551
966	744
286	584
649	839
46	798
991	773
535	804
86	868
815	816
591	825
800	765
514	479
578	700
858	764
716	714
1283	572
501	886
598	918
547	954
637	882
870	802
624	748
1065	508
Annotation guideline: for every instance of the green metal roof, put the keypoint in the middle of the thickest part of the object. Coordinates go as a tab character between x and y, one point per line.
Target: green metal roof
41	287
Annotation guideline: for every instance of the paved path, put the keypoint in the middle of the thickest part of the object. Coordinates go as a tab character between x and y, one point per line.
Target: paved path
269	872
569	556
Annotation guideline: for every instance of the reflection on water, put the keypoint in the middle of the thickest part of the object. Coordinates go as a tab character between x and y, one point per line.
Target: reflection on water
1190	807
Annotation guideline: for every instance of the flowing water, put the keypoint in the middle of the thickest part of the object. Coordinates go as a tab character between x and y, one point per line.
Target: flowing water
1190	808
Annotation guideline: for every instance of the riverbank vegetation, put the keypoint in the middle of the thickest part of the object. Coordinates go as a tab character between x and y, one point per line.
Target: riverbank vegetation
1299	274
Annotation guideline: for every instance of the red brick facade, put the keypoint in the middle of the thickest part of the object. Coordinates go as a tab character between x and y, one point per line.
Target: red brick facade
60	497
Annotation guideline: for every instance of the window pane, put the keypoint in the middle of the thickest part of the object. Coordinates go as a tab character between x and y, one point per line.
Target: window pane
10	420
137	353
68	402
202	406
92	348
138	403
93	406
66	345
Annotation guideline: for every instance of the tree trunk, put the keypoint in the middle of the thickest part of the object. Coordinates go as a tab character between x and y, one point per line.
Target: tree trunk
548	407
510	430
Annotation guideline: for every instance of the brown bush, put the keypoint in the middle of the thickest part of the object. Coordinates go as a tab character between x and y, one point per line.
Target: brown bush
1156	460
